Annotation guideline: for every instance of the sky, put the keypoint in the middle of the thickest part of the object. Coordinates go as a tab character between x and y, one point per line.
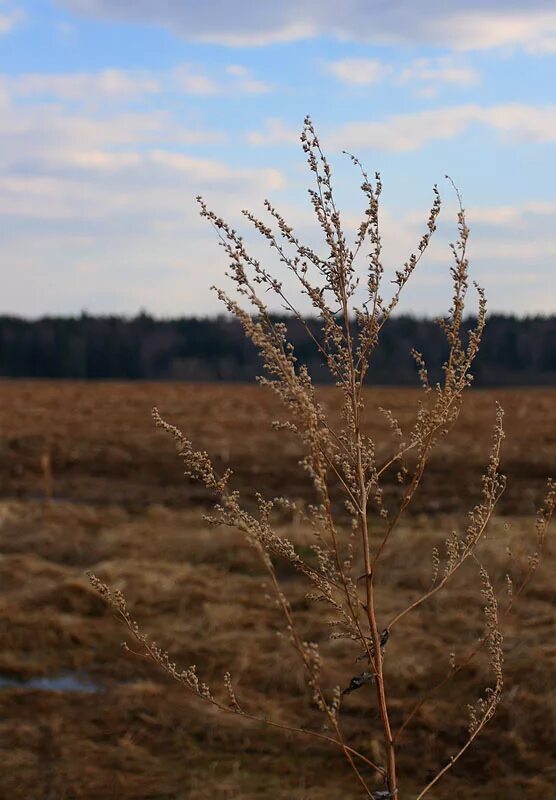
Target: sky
116	114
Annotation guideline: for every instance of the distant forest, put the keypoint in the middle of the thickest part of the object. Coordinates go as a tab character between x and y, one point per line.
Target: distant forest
514	351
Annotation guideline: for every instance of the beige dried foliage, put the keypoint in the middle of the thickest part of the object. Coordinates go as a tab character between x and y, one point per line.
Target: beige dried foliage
345	285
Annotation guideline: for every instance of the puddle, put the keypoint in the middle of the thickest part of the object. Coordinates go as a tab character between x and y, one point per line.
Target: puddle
58	683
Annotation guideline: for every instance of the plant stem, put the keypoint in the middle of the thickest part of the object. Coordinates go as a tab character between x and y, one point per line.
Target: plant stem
377	663
371	615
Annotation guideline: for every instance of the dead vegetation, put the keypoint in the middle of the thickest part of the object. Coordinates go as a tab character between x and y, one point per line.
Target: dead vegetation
353	516
102	449
140	737
340	570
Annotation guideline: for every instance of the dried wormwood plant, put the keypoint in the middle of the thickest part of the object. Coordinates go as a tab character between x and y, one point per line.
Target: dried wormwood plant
348	336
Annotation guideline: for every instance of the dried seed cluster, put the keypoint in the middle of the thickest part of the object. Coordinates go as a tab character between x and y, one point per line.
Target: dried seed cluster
344	284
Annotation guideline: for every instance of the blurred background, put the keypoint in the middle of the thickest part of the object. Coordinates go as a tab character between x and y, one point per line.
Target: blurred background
115	116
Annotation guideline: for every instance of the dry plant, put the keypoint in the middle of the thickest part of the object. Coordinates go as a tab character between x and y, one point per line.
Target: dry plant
47	475
345	573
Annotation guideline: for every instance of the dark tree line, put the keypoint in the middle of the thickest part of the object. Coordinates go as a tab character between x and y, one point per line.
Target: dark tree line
514	352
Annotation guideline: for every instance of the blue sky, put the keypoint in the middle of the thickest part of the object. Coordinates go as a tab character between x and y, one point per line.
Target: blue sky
115	114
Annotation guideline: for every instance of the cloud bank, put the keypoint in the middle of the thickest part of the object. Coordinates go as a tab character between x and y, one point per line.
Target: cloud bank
475	25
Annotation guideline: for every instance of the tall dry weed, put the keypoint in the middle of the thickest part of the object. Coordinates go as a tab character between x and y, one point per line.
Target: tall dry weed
344	569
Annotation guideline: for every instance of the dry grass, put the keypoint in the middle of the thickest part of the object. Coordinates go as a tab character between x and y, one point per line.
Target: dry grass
142	738
104	449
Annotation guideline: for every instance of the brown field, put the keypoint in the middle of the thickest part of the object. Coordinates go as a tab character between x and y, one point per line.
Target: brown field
122	509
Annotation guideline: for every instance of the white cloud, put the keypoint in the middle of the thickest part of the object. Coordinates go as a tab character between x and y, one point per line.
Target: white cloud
479	25
403	132
437	71
117	85
244	81
358	71
65	31
97	201
426	74
193	82
518	122
511	216
98	211
524	250
275	133
523	122
238	70
44	150
5	99
406	132
11	19
500	216
484	28
97	214
281	34
107	84
240	81
44	136
122	190
209	170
